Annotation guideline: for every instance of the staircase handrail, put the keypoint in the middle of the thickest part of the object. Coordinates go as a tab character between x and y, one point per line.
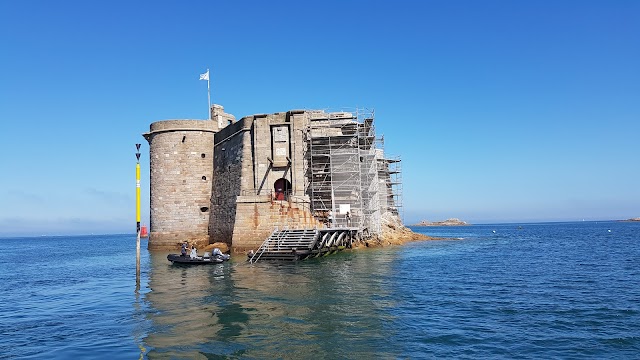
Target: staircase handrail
262	247
281	236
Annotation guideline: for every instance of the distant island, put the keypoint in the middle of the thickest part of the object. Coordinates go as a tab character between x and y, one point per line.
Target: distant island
448	222
632	219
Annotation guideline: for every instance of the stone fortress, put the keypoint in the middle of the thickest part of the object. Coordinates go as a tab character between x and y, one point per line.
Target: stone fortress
222	180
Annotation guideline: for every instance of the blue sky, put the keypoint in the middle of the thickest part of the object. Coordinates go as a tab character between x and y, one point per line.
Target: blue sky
502	111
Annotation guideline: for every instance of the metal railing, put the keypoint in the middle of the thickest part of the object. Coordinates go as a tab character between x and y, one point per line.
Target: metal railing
262	248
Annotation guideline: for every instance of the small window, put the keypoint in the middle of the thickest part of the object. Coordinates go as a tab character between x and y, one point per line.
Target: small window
202	155
184	138
204	209
204	178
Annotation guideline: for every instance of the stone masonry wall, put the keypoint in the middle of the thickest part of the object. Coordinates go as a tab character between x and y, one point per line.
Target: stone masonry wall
181	164
257	216
267	172
299	121
232	147
244	212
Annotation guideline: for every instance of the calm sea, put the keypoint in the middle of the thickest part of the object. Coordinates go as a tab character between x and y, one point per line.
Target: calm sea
539	291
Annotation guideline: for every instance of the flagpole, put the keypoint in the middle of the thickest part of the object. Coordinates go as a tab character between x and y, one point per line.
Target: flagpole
209	93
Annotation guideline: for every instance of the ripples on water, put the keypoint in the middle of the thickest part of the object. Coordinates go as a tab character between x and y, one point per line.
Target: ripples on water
317	308
526	291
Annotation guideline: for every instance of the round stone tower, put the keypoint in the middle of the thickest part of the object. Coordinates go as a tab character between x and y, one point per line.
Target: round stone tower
181	169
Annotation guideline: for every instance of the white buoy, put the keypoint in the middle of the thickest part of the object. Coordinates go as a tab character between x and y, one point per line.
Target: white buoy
494	231
609	230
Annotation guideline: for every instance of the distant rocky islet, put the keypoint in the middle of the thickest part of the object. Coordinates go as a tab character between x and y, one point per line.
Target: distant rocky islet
448	222
458	222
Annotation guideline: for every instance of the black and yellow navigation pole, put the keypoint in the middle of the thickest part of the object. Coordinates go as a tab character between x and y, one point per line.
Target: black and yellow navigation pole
143	350
138	216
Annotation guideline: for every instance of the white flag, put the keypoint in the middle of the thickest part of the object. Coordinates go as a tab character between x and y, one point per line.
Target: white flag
204	76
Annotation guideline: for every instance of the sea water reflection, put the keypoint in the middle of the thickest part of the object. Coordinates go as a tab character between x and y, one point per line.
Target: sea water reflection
326	308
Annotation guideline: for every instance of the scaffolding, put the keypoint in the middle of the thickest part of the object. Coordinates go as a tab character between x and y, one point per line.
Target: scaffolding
369	175
390	177
342	169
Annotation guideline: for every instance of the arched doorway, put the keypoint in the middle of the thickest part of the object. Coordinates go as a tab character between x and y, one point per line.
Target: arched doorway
281	189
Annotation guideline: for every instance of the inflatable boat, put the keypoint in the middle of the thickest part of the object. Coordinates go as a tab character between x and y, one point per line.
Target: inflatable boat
199	260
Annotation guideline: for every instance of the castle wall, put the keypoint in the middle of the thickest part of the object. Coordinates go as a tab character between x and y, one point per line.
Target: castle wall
233	170
300	120
268	169
258	215
181	164
251	155
268	148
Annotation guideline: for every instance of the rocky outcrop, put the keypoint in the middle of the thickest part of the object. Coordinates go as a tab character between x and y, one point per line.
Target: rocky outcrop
633	219
448	222
220	245
393	233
